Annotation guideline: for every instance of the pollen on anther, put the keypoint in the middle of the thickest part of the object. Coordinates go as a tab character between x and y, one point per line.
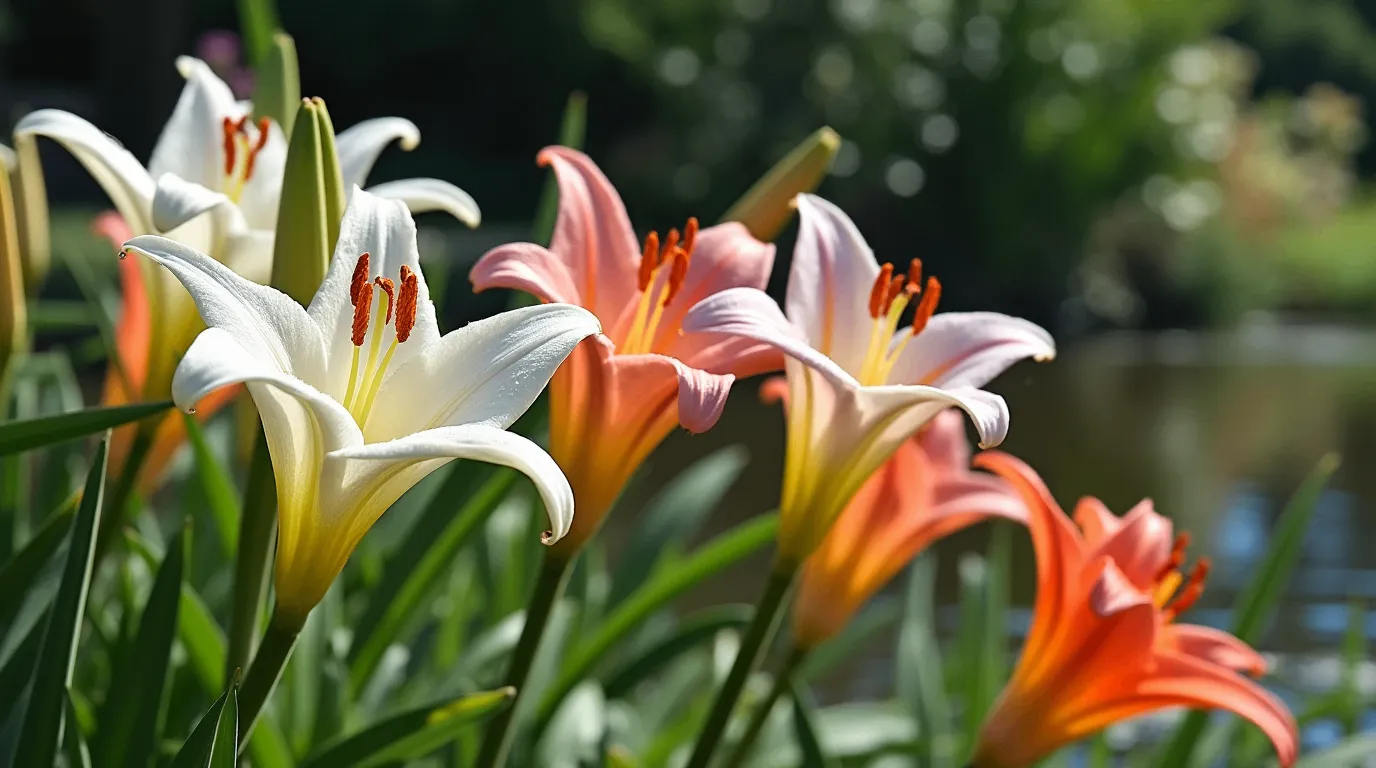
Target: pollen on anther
895	288
362	308
360	278
915	276
257	147
931	294
406	303
230	129
390	289
690	234
649	260
880	289
677	273
670	243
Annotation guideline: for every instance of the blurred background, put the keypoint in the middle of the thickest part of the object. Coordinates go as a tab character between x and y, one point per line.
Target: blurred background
1179	189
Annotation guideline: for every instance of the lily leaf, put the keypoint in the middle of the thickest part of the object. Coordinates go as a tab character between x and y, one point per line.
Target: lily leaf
26	435
195	751
18	574
218	487
695	630
41	735
410	735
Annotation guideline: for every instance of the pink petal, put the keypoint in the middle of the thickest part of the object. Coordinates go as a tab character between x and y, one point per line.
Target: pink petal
725	256
945	443
774	390
829	283
1214	646
1142	545
969	349
593	235
701	396
1096	521
526	267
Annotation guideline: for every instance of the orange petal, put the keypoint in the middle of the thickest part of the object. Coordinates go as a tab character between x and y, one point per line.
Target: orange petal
1212	645
1141	545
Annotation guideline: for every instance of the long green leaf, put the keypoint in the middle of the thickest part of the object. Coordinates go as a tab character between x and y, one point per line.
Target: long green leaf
41	735
19	436
17	672
675	515
78	753
1261	594
257	22
805	730
129	718
218	487
410	735
921	683
728	548
195	751
428	551
694	630
224	751
20	571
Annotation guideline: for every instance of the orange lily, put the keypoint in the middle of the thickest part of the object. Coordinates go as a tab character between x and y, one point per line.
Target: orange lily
620	394
1104	645
129	378
925	492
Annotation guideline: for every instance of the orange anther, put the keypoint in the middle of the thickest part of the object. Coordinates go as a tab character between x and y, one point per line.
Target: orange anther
1193	589
230	129
690	234
406	304
359	279
257	147
895	287
362	306
649	260
677	272
880	290
914	276
1182	542
390	289
666	251
930	296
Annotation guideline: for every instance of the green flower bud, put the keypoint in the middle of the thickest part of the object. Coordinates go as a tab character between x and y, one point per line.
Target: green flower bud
768	205
277	84
312	205
14	333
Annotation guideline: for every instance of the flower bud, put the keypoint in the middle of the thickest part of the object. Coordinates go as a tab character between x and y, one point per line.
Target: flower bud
312	205
14	332
767	206
277	83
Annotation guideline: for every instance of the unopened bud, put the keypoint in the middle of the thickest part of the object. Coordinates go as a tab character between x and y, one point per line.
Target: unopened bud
312	205
768	205
277	83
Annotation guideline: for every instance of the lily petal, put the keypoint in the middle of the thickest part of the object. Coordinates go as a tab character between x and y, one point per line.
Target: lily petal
1097	522
384	230
177	201
1141	546
265	322
830	281
118	172
593	233
191	144
263	191
425	195
701	396
488	372
417	455
526	267
359	146
968	349
1214	646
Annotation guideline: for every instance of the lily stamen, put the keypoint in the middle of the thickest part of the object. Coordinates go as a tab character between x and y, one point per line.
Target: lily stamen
889	297
1190	593
237	145
655	295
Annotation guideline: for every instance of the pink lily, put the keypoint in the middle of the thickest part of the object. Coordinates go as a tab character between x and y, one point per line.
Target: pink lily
859	386
619	395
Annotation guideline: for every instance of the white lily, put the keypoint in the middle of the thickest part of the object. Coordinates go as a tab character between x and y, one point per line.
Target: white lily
360	399
859	386
213	159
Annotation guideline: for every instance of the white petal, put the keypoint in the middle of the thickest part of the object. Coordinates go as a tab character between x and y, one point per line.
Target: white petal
263	192
487	372
425	195
177	201
123	177
384	230
267	323
386	482
249	254
968	349
750	313
829	283
359	146
192	143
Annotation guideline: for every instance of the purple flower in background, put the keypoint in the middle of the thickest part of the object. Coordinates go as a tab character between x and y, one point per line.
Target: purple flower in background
221	49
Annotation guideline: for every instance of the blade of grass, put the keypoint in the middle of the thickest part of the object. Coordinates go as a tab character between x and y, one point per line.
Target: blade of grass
19	436
728	548
41	735
410	735
805	730
429	550
218	488
1260	596
195	751
921	680
19	572
224	750
78	753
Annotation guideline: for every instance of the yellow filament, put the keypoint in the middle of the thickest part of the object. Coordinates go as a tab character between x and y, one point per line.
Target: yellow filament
237	180
642	310
1165	590
878	360
375	385
353	382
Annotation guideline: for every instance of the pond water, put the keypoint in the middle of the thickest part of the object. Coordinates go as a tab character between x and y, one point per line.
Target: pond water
1219	429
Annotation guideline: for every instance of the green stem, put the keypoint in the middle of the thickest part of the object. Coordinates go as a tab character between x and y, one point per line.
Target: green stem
757	639
117	510
782	681
264	673
554	574
253	561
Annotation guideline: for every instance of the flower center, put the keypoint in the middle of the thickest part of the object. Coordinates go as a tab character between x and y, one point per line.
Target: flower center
240	153
394	307
662	270
1175	591
889	296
